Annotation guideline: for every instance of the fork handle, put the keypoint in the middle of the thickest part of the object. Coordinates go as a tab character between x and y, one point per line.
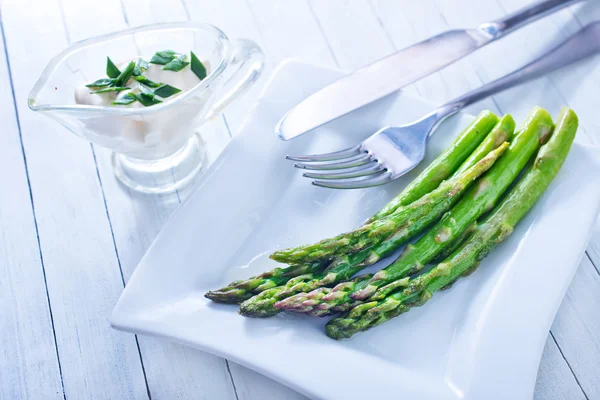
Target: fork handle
582	44
513	21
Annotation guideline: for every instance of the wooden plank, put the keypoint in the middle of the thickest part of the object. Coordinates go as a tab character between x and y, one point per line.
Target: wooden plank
489	65
352	31
569	82
251	385
356	35
28	358
579	96
136	219
144	12
593	250
289	31
178	372
410	22
555	380
83	277
577	328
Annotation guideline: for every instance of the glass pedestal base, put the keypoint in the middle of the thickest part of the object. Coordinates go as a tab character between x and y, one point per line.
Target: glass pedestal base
165	175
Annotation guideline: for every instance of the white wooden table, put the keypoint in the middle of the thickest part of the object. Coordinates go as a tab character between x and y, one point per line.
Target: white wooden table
70	235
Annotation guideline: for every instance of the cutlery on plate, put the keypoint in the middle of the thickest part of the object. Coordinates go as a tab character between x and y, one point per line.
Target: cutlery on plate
406	66
393	151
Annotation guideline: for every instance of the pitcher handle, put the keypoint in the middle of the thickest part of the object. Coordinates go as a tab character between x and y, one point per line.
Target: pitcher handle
247	63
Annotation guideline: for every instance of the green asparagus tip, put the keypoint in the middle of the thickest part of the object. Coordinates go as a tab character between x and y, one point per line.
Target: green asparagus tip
261	305
337	330
258	311
234	296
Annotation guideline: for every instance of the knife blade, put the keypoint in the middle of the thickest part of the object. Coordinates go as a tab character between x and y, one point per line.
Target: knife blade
377	80
397	70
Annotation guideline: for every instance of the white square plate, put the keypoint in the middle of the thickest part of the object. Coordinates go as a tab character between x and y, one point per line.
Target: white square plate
480	340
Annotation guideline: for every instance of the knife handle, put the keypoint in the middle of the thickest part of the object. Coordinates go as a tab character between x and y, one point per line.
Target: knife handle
580	45
513	21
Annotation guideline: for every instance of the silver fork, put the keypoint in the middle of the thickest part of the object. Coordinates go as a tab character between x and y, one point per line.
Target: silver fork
393	151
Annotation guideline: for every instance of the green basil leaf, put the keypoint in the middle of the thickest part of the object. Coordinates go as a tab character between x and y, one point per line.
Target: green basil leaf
166	91
125	100
140	67
148	82
101	83
111	69
177	64
146	99
124	76
163	57
197	67
110	89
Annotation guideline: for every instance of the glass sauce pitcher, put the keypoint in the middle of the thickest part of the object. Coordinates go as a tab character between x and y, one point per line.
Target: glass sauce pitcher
156	149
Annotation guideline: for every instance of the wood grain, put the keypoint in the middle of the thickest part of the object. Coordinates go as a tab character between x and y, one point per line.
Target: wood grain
576	328
28	358
82	273
453	80
555	379
72	235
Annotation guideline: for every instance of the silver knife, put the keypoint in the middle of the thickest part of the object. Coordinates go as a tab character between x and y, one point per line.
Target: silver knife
406	66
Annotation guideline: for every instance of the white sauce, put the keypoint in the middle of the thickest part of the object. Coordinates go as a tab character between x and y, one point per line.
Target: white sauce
183	80
153	135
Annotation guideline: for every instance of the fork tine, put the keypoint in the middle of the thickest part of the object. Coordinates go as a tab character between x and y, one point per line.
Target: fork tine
354	162
336	155
355	172
372	180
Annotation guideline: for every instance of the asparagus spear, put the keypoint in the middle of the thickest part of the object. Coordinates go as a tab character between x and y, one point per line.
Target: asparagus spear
503	131
478	200
451	248
492	231
416	217
410	220
443	166
374	232
239	291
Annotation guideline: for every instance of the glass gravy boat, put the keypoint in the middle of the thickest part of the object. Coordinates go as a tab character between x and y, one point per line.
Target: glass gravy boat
156	149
